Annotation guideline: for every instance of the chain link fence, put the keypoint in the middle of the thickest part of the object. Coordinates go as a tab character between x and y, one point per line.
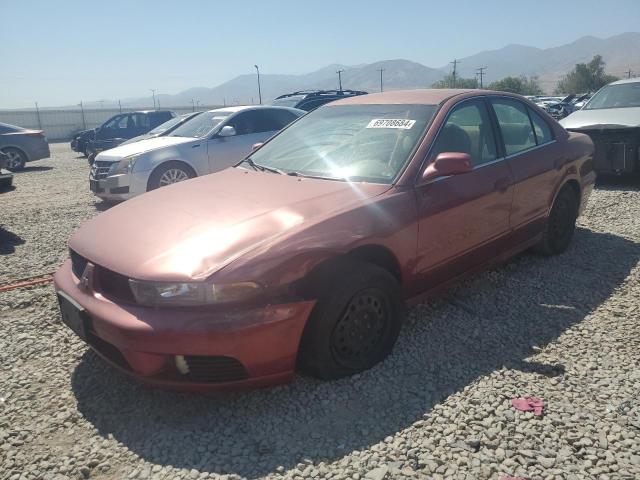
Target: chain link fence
64	124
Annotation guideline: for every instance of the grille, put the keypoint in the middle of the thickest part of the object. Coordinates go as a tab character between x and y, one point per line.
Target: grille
114	285
78	263
218	369
100	169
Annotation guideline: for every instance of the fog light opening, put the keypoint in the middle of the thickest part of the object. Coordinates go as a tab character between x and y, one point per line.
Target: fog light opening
182	365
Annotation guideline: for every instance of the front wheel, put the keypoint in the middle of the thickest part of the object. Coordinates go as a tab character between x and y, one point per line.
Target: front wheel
16	159
561	223
169	173
355	323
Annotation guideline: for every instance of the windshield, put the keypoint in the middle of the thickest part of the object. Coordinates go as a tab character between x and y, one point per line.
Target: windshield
163	127
369	143
287	101
201	125
616	96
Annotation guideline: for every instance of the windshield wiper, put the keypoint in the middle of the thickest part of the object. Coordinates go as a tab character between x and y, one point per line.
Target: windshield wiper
298	174
262	168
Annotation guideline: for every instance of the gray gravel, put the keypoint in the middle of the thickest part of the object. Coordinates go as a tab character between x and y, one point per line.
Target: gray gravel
564	329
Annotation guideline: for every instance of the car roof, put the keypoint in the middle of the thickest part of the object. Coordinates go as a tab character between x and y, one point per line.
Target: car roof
240	108
432	96
626	80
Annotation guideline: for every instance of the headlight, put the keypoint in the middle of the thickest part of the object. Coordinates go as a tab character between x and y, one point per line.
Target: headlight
191	293
124	166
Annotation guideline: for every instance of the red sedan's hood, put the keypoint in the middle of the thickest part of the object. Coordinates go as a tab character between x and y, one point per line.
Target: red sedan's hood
190	230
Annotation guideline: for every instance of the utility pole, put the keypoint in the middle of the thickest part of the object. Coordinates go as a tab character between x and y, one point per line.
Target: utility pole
455	70
259	91
119	106
39	120
381	70
193	105
481	74
629	73
84	122
153	92
339	72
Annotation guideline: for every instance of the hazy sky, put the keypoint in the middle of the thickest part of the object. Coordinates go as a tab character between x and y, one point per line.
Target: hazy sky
61	52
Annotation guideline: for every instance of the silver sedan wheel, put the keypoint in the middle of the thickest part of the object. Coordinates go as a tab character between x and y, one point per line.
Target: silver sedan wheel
14	160
173	175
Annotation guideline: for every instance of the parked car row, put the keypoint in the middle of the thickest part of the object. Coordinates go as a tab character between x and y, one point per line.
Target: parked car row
206	143
306	252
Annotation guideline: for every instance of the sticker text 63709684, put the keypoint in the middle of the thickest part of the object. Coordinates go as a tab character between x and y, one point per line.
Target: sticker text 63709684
402	123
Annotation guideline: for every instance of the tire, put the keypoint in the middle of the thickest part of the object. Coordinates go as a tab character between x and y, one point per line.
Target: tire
168	173
355	322
561	223
17	159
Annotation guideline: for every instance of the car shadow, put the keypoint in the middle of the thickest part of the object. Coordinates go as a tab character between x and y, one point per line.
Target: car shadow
615	182
490	321
104	205
29	169
9	241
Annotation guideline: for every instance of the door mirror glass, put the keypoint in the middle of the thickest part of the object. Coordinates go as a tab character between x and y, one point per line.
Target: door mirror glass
227	131
256	146
448	163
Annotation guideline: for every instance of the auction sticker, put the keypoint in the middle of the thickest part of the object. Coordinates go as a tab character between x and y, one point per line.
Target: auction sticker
402	123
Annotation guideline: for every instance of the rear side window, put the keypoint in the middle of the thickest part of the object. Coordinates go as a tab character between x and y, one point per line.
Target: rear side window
142	121
468	130
515	125
309	105
543	132
282	118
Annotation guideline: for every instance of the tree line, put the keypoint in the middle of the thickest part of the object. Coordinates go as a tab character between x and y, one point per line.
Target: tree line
585	77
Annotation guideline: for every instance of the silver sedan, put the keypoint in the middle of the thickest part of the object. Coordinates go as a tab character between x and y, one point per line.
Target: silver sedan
207	143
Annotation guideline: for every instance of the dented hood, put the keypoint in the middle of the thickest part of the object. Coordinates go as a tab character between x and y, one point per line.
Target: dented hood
190	230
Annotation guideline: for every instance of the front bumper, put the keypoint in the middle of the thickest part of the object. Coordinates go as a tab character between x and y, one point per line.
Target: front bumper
116	187
144	342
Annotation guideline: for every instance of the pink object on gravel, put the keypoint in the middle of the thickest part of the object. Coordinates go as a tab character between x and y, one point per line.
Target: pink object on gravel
528	404
509	477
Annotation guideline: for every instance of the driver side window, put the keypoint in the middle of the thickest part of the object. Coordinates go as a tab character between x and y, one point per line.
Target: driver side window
243	123
468	130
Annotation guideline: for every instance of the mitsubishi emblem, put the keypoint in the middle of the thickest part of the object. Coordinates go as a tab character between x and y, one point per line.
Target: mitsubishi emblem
86	281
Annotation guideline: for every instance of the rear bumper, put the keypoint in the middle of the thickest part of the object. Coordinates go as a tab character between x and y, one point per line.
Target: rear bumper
39	152
143	342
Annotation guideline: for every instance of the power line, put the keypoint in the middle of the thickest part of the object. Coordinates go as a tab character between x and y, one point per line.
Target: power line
339	72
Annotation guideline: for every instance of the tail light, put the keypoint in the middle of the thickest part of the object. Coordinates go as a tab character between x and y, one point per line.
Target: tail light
35	134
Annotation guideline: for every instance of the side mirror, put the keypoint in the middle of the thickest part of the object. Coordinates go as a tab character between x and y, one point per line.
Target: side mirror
448	163
227	131
256	146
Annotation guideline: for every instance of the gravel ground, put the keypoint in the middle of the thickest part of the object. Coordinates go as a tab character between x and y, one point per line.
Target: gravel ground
565	329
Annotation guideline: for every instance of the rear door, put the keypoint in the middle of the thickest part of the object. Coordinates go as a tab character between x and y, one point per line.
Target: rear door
533	156
461	214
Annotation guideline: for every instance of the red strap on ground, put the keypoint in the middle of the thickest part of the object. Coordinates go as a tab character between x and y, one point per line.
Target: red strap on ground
27	282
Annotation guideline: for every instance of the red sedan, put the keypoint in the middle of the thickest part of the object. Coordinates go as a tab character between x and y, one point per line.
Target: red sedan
306	253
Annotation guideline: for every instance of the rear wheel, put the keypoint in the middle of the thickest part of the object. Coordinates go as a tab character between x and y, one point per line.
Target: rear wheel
169	173
355	322
561	223
16	159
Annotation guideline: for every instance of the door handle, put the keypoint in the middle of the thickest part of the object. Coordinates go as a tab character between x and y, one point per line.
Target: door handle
502	184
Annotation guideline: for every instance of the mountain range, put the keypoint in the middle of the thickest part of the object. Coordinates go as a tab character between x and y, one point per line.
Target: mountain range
620	52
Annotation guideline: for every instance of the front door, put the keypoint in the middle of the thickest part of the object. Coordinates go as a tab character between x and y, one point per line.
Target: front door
460	216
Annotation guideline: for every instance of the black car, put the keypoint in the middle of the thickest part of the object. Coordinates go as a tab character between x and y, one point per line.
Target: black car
117	129
308	100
